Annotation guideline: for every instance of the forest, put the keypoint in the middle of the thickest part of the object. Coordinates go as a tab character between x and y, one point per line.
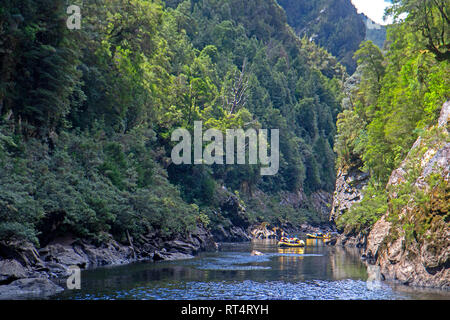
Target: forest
393	98
86	116
89	144
334	25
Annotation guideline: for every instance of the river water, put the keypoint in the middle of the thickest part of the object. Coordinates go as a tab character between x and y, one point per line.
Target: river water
315	272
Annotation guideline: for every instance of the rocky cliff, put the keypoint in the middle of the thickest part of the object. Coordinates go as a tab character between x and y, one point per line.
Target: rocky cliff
349	185
410	244
348	191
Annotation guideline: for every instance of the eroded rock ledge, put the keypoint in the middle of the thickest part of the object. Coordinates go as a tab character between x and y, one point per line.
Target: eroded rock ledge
26	271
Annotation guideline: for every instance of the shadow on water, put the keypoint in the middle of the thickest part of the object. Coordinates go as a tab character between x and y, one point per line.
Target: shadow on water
313	272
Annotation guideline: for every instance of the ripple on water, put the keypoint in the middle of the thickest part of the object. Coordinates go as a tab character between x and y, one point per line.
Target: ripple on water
235	261
193	279
231	262
252	290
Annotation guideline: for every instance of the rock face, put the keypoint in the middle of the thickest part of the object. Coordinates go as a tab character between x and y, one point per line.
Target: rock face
233	225
350	239
231	233
415	248
26	272
349	185
321	201
348	191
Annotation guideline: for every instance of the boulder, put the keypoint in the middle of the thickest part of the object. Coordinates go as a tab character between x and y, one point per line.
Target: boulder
111	253
65	255
11	270
203	238
181	247
230	234
29	288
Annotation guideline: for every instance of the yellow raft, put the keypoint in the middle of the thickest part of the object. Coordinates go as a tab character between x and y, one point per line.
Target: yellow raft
318	236
284	242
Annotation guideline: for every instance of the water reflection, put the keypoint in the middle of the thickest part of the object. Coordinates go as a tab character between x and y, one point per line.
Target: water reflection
374	277
345	263
313	272
314	243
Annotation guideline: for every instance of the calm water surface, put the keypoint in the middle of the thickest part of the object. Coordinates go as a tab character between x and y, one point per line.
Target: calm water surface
314	272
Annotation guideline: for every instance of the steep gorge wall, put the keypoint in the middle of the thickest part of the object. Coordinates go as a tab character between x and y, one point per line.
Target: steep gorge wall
349	186
411	244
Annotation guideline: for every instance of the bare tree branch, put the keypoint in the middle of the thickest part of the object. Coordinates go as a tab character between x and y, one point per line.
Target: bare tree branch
238	97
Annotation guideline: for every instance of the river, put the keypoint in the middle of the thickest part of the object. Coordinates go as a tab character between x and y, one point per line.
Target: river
315	272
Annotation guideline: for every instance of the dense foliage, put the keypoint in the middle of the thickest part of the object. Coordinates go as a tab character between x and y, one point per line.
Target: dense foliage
87	115
392	98
333	24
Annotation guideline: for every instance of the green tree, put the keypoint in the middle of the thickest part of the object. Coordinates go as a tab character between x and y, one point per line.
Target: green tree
429	17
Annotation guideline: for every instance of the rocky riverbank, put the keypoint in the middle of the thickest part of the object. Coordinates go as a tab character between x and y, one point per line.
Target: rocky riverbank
410	244
26	271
